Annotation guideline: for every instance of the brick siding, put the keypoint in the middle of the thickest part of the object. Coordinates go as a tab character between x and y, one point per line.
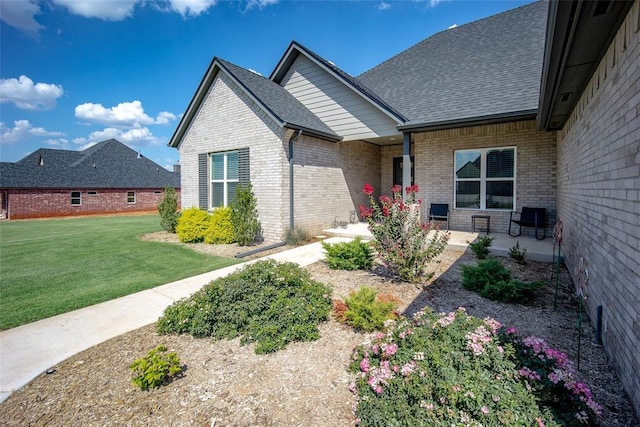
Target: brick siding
24	204
598	194
434	174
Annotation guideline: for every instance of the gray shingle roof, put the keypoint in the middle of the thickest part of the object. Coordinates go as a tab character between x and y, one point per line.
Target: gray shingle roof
281	103
488	67
108	164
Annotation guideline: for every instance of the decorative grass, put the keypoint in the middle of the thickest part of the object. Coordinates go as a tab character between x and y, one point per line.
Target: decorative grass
54	266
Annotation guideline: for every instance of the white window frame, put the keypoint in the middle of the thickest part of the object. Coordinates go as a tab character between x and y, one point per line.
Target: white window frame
225	179
131	195
79	198
483	178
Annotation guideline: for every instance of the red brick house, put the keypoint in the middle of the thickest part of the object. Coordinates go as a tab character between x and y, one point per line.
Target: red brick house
106	178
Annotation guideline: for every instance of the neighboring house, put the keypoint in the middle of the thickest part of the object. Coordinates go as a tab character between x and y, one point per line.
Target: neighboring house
106	178
538	106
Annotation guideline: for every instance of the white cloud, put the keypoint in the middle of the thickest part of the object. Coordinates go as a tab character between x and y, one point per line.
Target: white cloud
21	15
27	96
259	4
138	136
434	3
60	143
22	129
191	7
384	6
451	27
125	114
109	10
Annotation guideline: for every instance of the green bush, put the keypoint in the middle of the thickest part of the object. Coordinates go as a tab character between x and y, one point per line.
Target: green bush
481	246
267	302
367	312
353	255
155	369
244	215
516	254
192	225
492	280
168	210
296	236
453	369
220	229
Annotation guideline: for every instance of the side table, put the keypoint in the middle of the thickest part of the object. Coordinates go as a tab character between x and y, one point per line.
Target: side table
487	219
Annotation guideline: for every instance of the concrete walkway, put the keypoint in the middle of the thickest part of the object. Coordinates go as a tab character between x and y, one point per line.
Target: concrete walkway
29	350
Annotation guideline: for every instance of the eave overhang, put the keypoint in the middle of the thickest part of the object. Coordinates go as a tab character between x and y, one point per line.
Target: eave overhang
578	35
469	121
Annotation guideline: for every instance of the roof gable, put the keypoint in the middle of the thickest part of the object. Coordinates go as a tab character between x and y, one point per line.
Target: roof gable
279	104
490	67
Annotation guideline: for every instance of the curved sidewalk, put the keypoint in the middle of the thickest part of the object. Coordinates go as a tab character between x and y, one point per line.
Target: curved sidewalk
29	350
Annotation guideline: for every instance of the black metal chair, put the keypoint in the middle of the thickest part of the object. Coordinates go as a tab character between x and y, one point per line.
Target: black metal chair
439	212
530	217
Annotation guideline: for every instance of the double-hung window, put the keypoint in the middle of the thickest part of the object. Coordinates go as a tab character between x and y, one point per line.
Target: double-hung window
485	178
76	198
224	178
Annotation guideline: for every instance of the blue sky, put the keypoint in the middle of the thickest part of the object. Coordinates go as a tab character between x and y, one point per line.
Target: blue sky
77	72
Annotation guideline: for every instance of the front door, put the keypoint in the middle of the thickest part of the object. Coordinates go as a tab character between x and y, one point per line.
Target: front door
397	171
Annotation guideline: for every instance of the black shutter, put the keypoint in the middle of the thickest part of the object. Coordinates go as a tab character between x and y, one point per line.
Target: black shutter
203	184
244	171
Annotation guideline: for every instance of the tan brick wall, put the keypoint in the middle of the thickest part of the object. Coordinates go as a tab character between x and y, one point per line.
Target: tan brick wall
230	120
25	204
329	178
598	194
434	157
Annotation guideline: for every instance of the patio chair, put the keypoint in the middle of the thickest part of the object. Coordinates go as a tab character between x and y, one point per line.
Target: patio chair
439	212
530	217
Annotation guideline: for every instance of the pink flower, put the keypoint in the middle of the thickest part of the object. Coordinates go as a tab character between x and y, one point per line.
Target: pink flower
412	189
484	410
540	422
364	365
385	211
397	189
368	189
365	212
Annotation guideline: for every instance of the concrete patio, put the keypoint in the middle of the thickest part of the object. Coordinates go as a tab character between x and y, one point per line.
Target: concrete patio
537	250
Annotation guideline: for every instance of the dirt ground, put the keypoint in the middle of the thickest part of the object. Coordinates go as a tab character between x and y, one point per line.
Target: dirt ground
306	384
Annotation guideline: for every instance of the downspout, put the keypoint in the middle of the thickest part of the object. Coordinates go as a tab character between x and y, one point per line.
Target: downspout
293	138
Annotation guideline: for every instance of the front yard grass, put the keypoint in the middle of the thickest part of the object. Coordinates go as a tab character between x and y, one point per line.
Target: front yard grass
48	267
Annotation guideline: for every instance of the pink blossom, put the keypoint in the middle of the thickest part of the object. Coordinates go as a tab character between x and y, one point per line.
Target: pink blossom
540	422
484	410
364	365
397	189
367	189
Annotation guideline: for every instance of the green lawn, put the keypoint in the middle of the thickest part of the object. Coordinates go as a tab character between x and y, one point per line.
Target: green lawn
48	267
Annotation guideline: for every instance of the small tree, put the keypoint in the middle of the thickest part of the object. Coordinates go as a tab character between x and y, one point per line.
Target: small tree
244	215
168	209
404	244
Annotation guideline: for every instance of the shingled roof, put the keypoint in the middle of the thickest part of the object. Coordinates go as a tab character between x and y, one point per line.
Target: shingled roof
489	67
108	164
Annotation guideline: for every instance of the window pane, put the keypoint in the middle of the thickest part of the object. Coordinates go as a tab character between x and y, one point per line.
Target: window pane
232	165
468	194
500	195
231	188
217	194
467	164
217	166
500	163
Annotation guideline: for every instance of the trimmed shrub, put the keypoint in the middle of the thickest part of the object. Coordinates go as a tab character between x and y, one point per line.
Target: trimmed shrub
156	368
481	246
192	225
267	302
244	215
353	255
168	210
220	229
366	311
492	280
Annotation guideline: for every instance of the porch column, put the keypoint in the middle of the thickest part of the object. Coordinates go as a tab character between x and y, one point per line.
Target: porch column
406	163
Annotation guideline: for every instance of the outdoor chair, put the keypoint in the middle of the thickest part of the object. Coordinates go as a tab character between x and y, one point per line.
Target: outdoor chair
530	217
439	212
